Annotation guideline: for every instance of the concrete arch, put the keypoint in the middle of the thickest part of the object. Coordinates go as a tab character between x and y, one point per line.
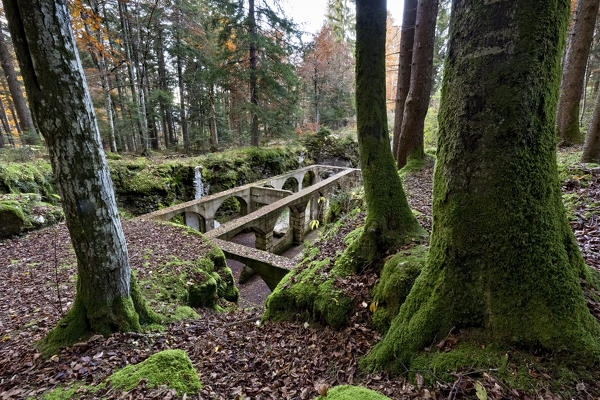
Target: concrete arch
243	202
308	179
292	183
192	219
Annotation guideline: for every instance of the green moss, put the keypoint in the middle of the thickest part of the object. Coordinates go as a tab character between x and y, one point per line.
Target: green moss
347	392
415	164
169	367
62	392
396	280
309	292
28	177
13	219
72	328
184	312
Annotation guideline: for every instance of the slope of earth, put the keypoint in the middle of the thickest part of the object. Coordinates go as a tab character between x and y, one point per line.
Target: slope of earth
235	357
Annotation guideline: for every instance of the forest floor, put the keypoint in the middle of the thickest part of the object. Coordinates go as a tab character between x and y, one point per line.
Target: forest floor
234	355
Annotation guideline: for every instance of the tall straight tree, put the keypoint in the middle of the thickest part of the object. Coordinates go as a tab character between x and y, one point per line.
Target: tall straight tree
591	147
407	40
25	119
389	221
573	73
410	144
254	138
503	263
60	100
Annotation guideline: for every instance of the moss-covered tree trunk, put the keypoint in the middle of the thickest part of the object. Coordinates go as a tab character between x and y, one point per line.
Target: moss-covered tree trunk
503	261
389	218
407	36
573	74
591	147
410	144
61	103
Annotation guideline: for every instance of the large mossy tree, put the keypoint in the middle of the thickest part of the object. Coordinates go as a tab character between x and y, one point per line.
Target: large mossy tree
389	221
504	265
107	298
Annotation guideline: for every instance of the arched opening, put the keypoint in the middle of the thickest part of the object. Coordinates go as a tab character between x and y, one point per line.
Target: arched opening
308	180
291	184
233	207
191	220
268	186
282	225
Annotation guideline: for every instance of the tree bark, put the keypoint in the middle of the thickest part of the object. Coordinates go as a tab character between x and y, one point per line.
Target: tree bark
6	125
591	147
165	106
389	222
214	138
13	114
405	54
60	100
25	119
410	145
571	87
254	136
503	262
182	117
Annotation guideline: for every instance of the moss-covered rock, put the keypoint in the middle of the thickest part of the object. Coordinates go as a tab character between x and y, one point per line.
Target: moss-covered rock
28	177
20	213
169	367
347	392
324	147
395	282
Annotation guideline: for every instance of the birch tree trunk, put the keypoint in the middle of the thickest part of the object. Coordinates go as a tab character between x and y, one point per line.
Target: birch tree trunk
405	54
182	117
60	100
25	119
571	87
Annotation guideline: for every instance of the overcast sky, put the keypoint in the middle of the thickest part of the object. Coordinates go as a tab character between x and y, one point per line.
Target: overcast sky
310	14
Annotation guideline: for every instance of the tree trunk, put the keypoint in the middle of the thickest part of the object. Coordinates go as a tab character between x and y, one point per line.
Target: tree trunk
410	145
164	105
214	139
571	87
61	103
254	137
6	125
503	263
128	139
183	122
132	74
25	119
13	114
591	147
389	222
405	54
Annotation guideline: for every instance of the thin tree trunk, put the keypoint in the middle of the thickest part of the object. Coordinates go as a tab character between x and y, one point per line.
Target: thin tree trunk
165	106
410	145
56	87
571	87
133	80
13	114
6	125
25	119
591	147
503	265
214	139
254	135
405	55
138	65
182	117
129	139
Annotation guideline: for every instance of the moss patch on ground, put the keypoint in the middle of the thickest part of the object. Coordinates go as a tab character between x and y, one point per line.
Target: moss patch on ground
28	177
21	213
347	392
169	367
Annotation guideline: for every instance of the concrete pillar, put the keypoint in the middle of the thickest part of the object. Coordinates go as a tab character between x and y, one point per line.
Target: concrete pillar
321	207
264	241
297	217
192	220
209	224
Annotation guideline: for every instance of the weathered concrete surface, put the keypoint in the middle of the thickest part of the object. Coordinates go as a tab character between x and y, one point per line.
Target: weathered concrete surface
271	268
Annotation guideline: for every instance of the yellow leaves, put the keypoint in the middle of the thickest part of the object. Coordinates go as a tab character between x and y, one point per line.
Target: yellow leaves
314	224
581	177
373	306
230	45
